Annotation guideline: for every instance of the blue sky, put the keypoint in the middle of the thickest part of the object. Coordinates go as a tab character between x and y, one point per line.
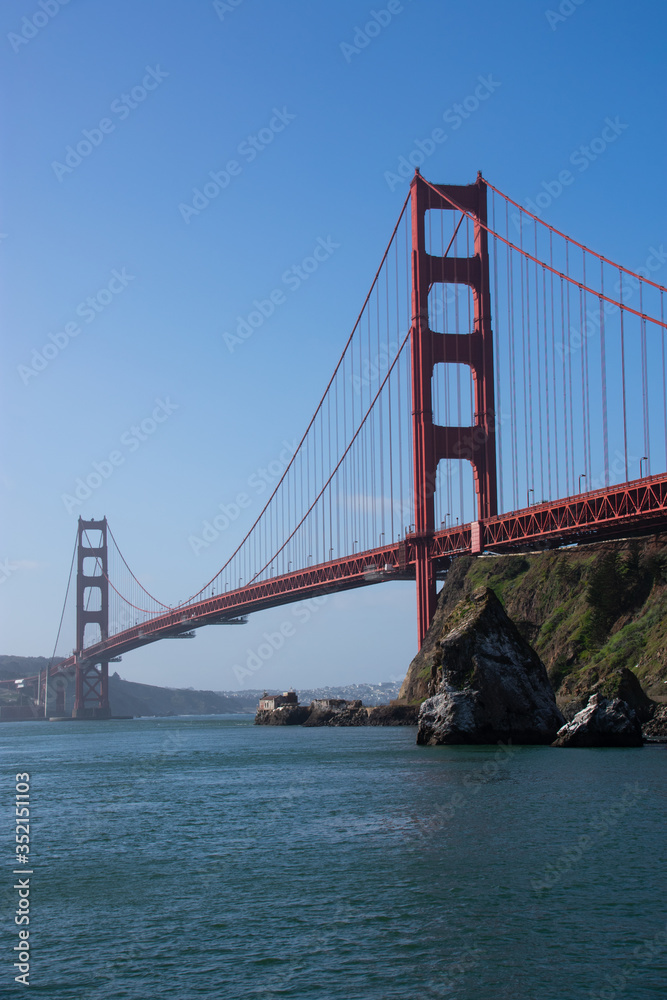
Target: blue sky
171	92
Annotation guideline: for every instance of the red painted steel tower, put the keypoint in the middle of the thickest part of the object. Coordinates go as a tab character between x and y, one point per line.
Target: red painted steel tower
91	700
433	442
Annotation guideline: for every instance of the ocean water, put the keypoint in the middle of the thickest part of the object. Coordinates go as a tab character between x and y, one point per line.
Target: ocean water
207	857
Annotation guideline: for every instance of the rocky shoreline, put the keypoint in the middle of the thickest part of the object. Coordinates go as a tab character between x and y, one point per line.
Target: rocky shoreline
310	716
655	730
479	680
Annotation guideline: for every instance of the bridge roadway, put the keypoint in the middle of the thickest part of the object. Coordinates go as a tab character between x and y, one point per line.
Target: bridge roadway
638	507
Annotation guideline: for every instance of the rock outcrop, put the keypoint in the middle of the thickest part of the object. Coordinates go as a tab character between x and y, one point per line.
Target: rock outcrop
286	715
486	683
379	715
621	683
393	715
655	731
346	714
605	722
337	717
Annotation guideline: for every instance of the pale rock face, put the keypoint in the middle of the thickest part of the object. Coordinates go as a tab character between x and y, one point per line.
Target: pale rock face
656	730
603	723
490	684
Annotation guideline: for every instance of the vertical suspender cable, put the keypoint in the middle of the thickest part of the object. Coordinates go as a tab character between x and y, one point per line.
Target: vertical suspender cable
399	407
584	384
565	400
586	364
647	440
625	414
664	375
553	364
510	327
527	397
546	376
497	355
569	363
539	372
603	372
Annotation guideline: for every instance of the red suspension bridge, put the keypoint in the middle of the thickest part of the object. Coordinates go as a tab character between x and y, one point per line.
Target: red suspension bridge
503	388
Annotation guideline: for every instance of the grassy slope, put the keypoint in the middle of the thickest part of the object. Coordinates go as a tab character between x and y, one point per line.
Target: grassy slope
587	610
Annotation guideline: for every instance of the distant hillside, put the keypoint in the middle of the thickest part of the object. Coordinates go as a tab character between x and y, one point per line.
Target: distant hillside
21	666
132	698
587	610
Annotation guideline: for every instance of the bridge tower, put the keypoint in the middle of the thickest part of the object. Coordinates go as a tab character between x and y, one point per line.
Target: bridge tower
91	699
433	442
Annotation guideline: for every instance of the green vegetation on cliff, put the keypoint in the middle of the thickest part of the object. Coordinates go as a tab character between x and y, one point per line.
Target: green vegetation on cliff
588	611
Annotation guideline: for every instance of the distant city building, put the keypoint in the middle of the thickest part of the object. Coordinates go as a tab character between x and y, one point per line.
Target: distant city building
269	702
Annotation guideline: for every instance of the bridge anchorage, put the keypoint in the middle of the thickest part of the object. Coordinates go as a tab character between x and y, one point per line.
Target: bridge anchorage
439	433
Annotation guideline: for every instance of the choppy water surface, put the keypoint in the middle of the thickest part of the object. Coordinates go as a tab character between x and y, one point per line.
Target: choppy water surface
210	858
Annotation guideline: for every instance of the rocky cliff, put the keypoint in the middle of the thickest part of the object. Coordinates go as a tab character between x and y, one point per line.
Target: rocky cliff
589	612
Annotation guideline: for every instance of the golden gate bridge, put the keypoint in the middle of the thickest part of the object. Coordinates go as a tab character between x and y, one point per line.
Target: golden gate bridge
503	388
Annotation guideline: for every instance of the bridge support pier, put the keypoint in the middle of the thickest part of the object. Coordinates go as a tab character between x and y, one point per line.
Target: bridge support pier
433	442
426	588
60	701
91	700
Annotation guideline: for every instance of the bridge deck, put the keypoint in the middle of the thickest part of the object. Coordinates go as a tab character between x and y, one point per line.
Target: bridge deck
633	508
